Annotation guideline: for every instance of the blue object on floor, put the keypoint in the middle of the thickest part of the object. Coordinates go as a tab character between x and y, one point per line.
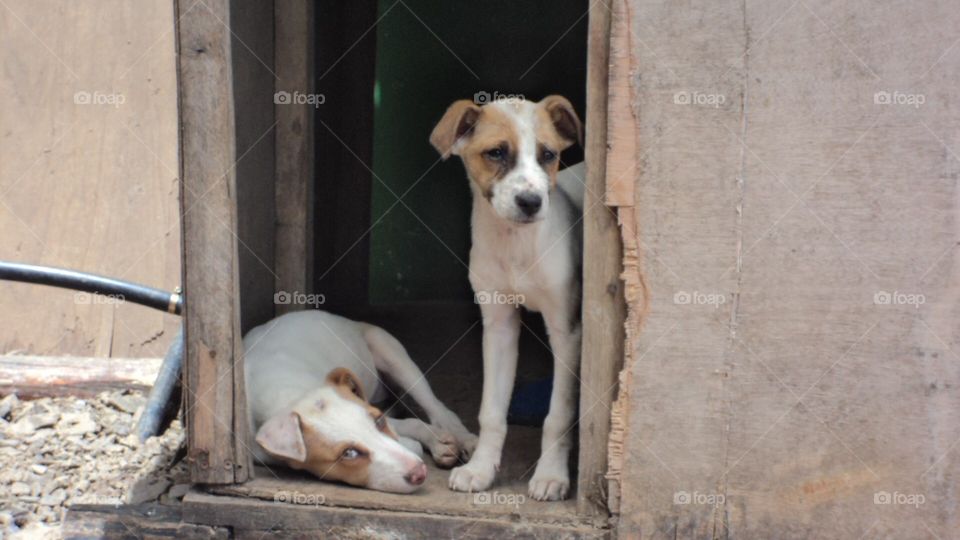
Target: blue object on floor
530	403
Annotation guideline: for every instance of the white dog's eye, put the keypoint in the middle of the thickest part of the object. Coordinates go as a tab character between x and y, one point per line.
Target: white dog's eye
351	453
547	156
496	154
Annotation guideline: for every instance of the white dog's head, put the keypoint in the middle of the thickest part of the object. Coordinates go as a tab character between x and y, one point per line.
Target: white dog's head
334	433
511	150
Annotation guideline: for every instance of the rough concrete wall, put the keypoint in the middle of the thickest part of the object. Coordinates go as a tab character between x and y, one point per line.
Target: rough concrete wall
88	170
797	214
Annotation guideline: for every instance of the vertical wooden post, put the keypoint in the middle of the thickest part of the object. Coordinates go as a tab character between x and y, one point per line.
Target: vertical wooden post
603	304
215	408
294	62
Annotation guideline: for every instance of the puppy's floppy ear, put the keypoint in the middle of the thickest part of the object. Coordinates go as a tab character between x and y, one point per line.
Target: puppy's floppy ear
456	122
281	437
565	119
346	378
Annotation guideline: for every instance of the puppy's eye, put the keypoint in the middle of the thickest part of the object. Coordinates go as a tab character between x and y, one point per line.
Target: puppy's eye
547	156
351	453
496	154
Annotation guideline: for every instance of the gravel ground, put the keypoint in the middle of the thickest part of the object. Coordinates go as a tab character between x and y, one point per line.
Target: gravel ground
55	452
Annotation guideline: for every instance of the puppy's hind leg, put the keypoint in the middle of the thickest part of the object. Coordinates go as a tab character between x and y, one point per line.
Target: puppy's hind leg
391	358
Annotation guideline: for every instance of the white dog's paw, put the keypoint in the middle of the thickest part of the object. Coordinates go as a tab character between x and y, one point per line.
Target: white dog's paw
549	489
467	441
550	482
474	476
445	449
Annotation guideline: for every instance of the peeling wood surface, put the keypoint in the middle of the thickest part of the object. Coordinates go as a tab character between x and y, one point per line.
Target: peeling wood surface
785	379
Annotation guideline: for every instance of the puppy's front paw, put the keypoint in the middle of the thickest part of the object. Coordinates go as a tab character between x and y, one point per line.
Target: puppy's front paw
550	482
549	489
445	450
474	476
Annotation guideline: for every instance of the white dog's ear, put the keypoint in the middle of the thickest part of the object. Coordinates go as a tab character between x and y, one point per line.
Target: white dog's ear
564	118
346	378
456	122
282	438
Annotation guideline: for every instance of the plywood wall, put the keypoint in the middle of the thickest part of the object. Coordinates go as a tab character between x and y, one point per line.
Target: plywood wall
88	170
798	216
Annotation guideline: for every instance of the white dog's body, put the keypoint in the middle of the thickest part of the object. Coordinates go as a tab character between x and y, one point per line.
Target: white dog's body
526	246
288	364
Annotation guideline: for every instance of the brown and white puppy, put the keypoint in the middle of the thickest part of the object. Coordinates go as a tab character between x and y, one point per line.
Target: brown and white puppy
307	376
526	249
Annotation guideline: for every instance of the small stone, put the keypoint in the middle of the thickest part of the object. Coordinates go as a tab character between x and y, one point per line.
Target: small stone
7	404
38	468
55	498
19	489
77	424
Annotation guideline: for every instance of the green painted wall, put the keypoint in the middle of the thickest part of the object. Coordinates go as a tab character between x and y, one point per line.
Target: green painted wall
448	51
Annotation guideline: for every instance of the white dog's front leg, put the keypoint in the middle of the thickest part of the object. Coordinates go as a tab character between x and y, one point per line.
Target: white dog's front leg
501	332
551	480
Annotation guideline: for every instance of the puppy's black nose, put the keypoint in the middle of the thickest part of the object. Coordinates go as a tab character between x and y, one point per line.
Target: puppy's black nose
528	203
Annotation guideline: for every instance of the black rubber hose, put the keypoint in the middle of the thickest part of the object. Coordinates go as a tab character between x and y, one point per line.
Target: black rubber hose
92	283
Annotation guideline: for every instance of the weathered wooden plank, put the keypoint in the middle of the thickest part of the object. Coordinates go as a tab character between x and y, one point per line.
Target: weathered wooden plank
294	60
35	376
800	227
603	306
210	246
144	521
257	518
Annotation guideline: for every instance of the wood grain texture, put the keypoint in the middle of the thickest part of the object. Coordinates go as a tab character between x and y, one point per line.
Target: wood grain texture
603	304
88	185
143	521
294	61
270	519
786	380
35	376
212	371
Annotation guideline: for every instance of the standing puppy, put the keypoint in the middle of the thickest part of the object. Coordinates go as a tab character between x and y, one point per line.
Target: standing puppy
526	242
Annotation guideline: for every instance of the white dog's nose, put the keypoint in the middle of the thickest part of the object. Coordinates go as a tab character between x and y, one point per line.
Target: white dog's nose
416	475
528	202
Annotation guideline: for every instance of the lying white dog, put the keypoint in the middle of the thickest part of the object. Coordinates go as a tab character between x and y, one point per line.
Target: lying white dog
307	375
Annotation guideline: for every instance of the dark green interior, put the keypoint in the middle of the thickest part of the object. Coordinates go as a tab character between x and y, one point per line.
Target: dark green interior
428	56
